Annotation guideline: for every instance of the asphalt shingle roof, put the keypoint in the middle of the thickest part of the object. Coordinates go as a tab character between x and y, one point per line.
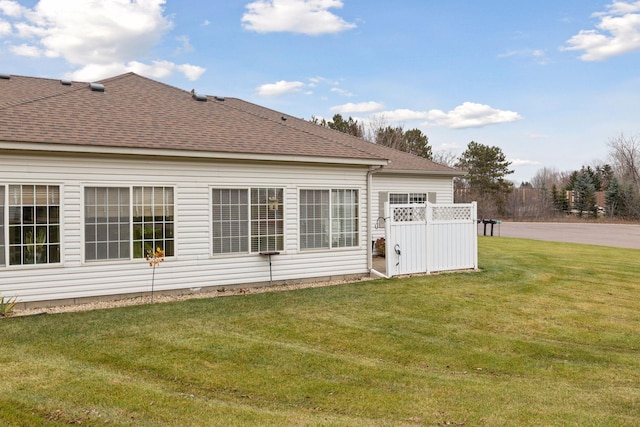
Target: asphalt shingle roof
137	112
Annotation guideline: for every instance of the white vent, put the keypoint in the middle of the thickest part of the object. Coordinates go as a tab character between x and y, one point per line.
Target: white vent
5	76
96	87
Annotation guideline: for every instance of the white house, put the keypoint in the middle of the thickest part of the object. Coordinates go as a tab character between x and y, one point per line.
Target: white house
93	175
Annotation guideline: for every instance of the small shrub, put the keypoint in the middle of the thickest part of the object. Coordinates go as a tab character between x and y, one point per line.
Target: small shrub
381	247
6	305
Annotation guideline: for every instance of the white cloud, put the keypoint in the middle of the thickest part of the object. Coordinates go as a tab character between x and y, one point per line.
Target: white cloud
11	8
310	17
155	70
362	107
538	55
279	88
468	115
342	92
617	33
523	162
185	45
96	36
5	28
402	115
27	50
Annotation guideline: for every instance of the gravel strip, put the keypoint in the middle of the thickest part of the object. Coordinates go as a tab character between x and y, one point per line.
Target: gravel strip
125	302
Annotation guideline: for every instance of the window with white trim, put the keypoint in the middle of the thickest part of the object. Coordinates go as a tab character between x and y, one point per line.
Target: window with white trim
329	219
405	198
2	251
247	220
33	227
106	223
112	218
153	220
267	219
230	215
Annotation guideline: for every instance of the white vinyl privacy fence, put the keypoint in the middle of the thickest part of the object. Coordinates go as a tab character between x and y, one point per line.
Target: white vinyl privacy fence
430	237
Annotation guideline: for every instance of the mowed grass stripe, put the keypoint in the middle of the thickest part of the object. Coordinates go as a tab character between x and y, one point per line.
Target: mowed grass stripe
544	334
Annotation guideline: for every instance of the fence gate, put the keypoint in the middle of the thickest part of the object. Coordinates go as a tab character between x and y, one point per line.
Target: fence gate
429	237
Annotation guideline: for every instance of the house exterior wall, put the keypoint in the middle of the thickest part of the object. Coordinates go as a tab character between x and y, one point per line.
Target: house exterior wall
193	265
401	183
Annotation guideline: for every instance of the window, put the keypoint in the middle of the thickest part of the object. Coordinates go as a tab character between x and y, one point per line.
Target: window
247	220
314	219
344	218
106	223
267	220
230	209
153	221
328	219
405	198
34	224
109	224
2	260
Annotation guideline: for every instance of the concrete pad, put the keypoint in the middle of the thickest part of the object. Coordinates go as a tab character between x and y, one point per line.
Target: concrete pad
617	235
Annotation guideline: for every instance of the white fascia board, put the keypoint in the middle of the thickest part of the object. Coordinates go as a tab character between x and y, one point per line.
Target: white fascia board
421	172
155	152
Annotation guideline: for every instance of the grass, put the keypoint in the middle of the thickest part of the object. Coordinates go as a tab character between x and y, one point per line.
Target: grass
545	334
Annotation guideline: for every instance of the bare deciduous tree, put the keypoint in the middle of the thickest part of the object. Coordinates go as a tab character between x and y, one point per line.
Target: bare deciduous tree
625	158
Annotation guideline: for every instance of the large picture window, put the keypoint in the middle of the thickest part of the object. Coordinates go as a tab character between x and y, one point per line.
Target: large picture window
328	219
247	220
113	215
34	224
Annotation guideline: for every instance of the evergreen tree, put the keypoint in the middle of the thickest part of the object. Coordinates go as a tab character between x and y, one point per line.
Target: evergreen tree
613	198
585	194
487	168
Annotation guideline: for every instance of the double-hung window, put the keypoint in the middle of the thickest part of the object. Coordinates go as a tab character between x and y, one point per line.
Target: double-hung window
329	219
33	227
127	222
247	220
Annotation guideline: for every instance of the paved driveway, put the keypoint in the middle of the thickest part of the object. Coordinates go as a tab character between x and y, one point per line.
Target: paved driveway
619	235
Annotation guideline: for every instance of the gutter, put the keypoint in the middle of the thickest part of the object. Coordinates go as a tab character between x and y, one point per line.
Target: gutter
370	173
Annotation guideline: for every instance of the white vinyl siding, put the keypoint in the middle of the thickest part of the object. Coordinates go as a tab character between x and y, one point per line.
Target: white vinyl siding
193	265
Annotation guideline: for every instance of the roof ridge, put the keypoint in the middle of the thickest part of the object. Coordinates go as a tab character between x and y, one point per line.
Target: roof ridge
335	140
134	74
363	147
48	96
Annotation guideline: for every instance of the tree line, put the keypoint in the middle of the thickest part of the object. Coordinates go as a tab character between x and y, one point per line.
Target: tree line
486	166
610	189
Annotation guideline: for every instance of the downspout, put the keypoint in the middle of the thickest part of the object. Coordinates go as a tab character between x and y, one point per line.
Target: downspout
370	173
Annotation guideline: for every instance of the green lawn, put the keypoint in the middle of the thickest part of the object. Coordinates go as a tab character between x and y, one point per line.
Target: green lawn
546	334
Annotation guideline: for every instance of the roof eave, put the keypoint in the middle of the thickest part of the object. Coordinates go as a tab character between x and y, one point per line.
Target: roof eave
174	153
452	173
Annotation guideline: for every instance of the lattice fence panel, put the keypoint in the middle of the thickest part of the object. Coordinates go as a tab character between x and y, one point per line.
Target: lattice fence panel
409	214
452	213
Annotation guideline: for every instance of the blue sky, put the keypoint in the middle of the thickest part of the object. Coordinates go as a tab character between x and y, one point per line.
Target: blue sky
549	82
